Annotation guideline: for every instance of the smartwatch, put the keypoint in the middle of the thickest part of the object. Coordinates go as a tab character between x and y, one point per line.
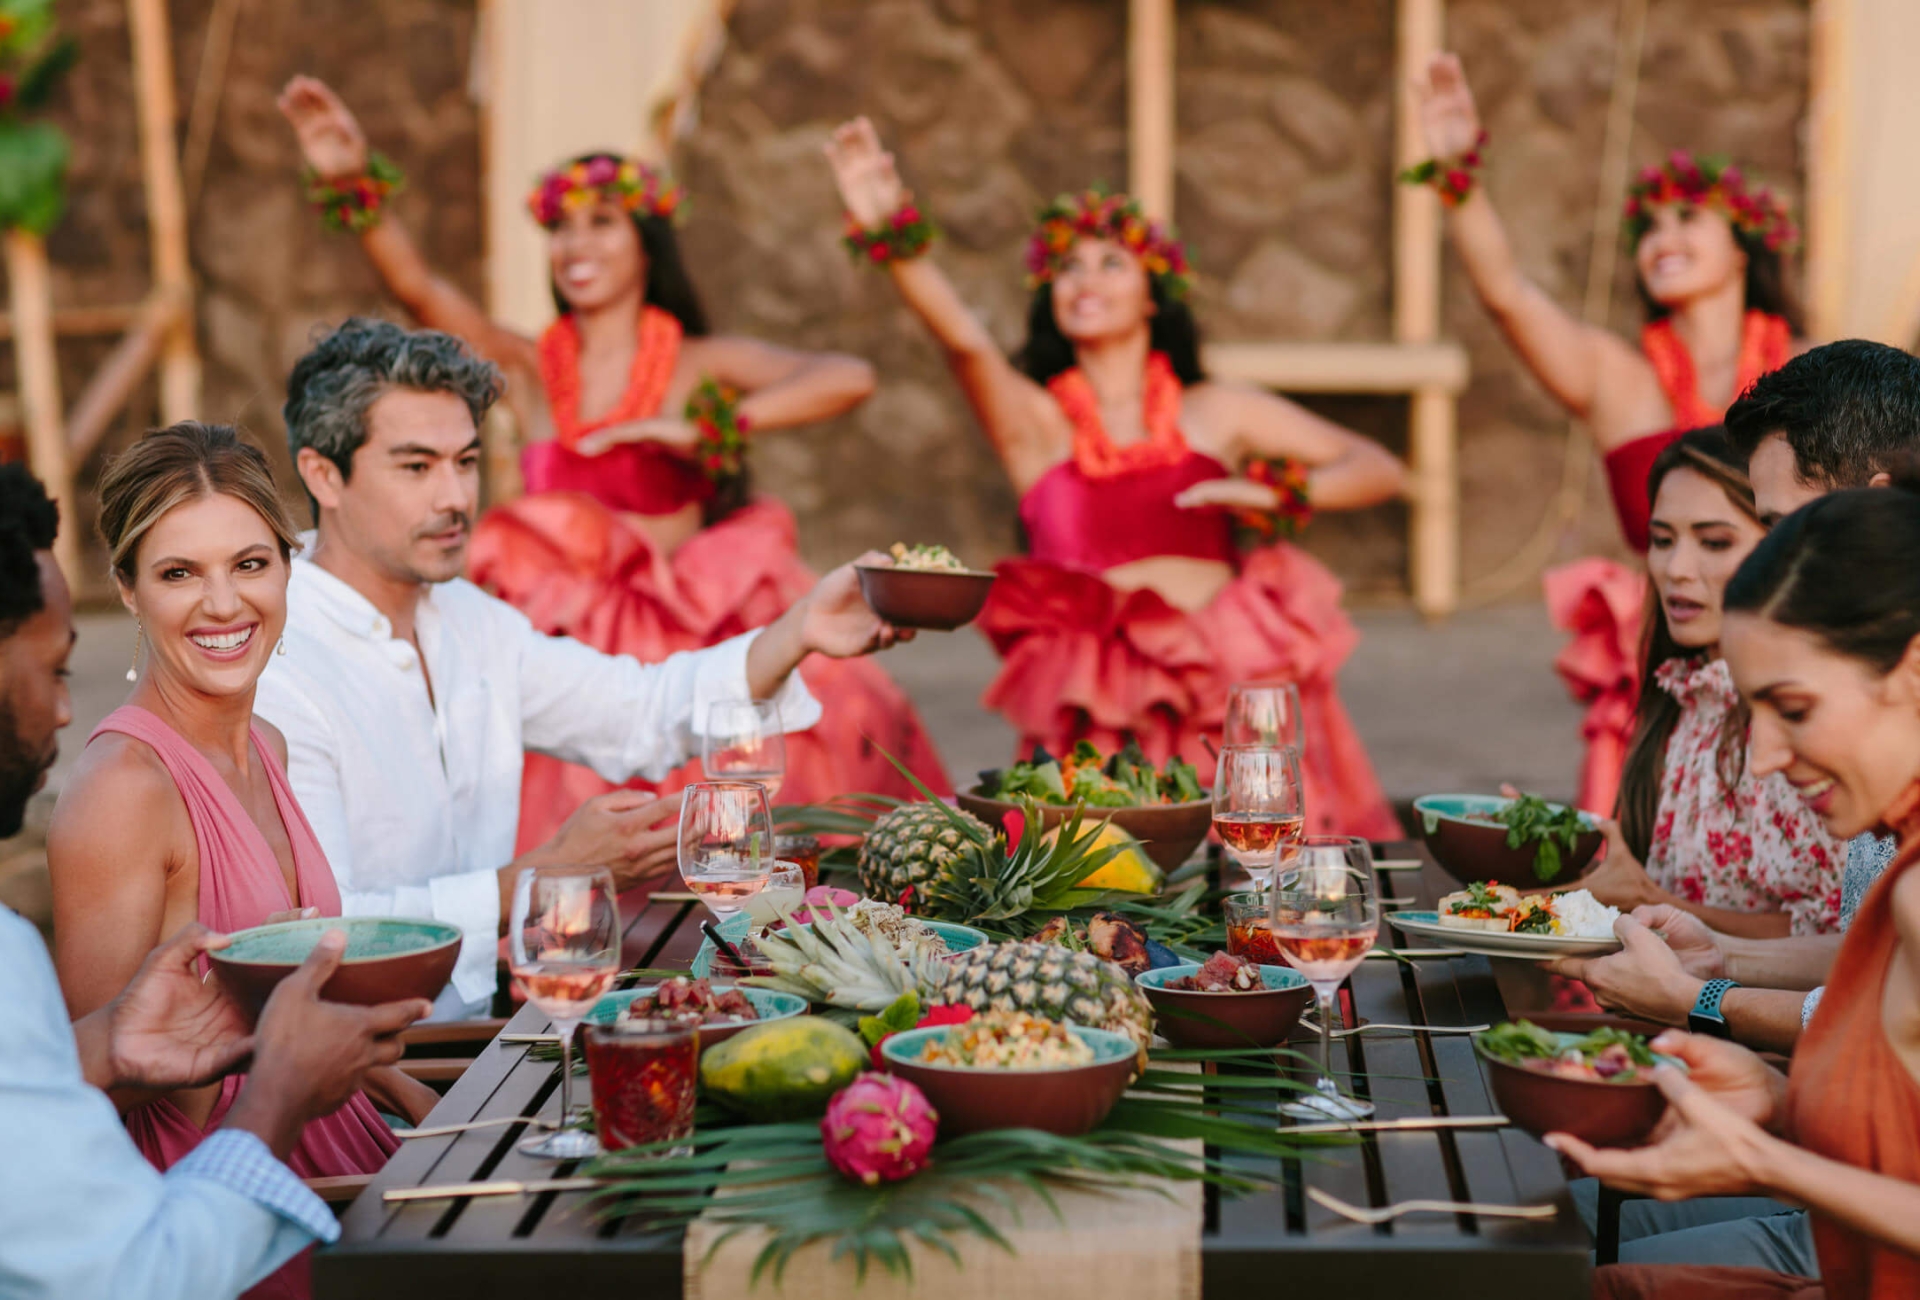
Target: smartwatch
1706	1018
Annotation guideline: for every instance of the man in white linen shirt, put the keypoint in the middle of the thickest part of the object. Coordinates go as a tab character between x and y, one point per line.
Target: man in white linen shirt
83	1215
408	696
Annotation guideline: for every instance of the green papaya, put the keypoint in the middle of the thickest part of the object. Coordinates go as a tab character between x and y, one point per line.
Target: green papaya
785	1069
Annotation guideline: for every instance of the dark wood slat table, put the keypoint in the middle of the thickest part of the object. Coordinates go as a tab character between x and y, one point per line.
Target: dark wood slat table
513	1246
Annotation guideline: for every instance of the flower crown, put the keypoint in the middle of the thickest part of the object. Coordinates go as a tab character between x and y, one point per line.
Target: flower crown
1096	214
635	186
1710	183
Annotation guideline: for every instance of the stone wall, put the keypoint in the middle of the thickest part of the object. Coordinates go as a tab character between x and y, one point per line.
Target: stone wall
1284	156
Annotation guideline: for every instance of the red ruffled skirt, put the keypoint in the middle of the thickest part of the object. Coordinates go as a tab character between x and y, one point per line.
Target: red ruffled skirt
577	568
1603	604
1082	660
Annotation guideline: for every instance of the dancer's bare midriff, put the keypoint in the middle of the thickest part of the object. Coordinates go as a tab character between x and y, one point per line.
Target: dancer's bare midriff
667	533
1182	581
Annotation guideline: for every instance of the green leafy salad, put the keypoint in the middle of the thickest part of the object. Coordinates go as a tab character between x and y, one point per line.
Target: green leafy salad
1086	776
1552	831
1606	1054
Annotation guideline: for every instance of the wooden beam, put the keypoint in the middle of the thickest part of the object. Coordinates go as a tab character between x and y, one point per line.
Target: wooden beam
1434	510
166	202
39	377
122	372
1830	166
1150	105
82	322
1341	367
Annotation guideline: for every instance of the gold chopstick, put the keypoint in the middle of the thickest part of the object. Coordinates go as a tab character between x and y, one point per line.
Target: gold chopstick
1413	1124
672	896
455	1191
447	1130
1379	864
1418	953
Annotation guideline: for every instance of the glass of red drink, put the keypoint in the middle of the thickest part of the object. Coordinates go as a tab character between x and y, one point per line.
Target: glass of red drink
1247	932
803	849
643	1074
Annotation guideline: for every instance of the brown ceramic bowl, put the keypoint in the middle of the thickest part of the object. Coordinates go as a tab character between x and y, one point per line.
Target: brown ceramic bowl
1471	849
938	600
1604	1114
1257	1018
1169	832
388	958
1067	1101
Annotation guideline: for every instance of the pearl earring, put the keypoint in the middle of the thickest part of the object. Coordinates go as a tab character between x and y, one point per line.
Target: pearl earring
280	648
133	669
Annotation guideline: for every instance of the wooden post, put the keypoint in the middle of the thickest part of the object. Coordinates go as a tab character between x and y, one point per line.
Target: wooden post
1150	105
31	295
1431	450
1830	180
166	203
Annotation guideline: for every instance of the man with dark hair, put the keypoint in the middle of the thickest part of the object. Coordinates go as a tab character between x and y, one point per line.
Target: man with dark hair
1831	418
83	1215
409	697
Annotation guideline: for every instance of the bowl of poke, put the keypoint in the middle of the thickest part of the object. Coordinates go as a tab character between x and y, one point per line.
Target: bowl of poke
1227	1001
1010	1069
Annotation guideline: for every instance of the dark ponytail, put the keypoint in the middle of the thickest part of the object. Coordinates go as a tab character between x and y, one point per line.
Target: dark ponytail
1708	453
1844	569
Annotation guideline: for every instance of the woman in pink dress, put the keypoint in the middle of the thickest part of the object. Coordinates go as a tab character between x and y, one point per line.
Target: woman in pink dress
639	534
179	810
1708	253
1134	610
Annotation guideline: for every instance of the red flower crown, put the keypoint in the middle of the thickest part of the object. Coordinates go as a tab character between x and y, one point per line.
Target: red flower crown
632	184
1710	183
1096	214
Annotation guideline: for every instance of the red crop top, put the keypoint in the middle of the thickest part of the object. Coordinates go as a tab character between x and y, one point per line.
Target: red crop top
1093	525
642	478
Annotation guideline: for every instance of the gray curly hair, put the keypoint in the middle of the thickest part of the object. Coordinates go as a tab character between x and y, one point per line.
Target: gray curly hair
335	383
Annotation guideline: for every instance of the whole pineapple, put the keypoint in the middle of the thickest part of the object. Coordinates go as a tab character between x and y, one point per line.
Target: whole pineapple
1045	979
910	846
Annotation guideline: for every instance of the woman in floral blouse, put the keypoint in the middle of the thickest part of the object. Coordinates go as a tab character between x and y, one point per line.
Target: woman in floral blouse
1746	856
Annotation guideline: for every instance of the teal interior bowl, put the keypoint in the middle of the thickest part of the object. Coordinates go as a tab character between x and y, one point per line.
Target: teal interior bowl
1472	848
958	938
1262	1017
770	1004
1067	1100
387	958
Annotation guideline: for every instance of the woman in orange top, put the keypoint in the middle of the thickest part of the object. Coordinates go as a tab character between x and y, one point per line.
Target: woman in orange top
638	535
1708	254
1822	634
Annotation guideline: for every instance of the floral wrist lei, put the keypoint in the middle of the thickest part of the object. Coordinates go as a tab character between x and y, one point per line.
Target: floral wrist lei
1454	178
353	203
899	238
1288	479
714	410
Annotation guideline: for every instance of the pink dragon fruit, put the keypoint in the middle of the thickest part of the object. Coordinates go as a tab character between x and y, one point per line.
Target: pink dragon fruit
878	1128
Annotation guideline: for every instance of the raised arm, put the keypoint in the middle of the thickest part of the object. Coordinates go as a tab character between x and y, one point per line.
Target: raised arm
1571	358
336	148
1345	470
1003	399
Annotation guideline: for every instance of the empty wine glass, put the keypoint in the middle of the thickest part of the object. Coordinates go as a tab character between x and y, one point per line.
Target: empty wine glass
726	843
744	741
1324	919
564	951
1262	713
1259	807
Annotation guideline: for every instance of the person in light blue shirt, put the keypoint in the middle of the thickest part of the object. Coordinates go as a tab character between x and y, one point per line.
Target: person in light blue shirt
82	1213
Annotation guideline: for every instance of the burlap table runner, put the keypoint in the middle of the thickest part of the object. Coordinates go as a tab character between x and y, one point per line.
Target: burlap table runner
1119	1244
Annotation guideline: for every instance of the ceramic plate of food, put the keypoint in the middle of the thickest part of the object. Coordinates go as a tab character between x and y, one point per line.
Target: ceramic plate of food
925	587
1496	920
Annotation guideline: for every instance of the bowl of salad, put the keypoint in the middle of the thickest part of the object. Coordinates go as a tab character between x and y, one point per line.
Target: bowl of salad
924	586
1597	1086
1164	807
1008	1069
1527	842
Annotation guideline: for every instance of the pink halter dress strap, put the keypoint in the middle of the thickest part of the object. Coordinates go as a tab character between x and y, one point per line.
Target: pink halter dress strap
240	880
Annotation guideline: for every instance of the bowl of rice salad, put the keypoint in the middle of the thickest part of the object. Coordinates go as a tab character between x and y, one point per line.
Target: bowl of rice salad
1008	1069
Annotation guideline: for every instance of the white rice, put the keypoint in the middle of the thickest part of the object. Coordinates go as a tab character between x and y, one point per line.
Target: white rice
1582	916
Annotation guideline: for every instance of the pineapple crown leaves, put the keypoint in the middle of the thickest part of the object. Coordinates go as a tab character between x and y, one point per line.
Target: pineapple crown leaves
1028	873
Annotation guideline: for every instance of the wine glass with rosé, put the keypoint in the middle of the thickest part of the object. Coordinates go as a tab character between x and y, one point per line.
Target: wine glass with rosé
744	741
1262	713
1324	919
1259	807
726	843
564	952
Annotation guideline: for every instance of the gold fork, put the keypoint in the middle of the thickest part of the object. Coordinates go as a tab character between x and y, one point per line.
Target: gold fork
1312	1025
1390	1212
